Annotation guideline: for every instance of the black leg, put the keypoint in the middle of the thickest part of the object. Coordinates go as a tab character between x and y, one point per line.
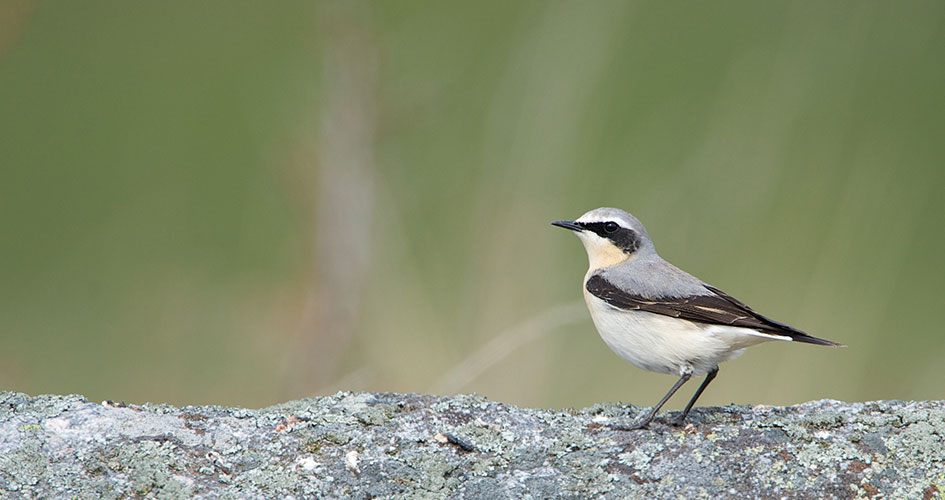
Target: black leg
643	422
705	383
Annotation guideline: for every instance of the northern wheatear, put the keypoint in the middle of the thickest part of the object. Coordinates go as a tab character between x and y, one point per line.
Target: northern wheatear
657	316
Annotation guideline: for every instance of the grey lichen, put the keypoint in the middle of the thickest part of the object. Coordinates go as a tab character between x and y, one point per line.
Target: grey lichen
367	445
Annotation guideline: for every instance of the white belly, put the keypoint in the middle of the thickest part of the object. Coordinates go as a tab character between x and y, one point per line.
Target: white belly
664	344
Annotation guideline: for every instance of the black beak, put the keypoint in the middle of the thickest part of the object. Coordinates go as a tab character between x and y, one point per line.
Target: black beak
567	224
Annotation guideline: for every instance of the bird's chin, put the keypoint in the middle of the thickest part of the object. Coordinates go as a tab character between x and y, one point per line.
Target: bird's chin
600	252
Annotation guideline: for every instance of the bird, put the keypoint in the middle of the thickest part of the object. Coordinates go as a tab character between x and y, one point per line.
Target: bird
659	317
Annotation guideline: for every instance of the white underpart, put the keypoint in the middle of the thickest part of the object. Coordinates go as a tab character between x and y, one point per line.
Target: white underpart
670	345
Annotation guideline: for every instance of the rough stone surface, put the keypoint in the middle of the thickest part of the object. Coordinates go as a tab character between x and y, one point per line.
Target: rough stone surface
367	445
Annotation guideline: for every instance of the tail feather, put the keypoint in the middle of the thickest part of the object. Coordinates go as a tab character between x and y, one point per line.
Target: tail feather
808	339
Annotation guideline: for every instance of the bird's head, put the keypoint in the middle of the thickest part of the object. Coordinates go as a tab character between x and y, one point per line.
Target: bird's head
610	236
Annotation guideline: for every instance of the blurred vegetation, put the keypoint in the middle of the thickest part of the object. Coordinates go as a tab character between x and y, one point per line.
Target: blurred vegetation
227	202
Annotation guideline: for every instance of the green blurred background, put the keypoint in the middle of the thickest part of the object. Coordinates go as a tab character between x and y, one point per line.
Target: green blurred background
243	202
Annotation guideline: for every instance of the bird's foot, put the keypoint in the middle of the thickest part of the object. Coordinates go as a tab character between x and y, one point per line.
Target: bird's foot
643	423
678	421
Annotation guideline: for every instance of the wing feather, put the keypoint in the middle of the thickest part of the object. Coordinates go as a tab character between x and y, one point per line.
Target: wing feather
714	308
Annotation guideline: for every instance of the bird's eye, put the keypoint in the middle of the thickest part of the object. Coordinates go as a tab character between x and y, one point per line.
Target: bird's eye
610	227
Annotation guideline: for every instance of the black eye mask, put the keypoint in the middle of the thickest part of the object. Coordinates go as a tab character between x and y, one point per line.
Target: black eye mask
625	239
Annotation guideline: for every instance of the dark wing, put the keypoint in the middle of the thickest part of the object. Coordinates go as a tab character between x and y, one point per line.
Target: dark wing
715	308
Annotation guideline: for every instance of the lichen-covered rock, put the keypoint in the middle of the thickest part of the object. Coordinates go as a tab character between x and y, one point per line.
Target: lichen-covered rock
366	445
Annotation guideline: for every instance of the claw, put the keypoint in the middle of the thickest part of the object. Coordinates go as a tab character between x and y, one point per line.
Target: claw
634	427
643	423
677	422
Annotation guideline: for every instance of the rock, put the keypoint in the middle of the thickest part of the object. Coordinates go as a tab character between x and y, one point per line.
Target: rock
367	445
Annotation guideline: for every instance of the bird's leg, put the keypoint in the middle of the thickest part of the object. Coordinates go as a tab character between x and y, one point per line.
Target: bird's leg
705	383
643	422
